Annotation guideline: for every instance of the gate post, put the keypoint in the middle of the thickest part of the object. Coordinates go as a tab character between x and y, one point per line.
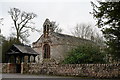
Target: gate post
8	67
22	64
22	67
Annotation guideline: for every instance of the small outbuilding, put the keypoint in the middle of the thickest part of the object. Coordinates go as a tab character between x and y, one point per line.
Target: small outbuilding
18	54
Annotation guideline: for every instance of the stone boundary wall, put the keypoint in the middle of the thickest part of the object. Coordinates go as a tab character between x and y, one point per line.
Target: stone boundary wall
4	67
81	70
8	68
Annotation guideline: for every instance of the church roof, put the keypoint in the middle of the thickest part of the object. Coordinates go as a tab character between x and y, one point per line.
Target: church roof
71	39
24	49
66	37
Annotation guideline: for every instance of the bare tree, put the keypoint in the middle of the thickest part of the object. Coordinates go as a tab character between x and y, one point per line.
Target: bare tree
55	27
86	31
1	19
83	31
22	23
99	39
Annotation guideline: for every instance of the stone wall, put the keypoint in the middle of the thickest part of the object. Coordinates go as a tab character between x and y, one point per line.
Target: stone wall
4	67
81	70
8	67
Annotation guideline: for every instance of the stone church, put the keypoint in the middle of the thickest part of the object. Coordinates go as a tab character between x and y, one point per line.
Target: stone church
54	46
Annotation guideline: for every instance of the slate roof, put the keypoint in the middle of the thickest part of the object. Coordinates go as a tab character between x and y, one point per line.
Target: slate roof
66	37
24	49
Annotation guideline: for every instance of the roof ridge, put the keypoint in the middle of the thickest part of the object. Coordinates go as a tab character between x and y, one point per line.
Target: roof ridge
71	36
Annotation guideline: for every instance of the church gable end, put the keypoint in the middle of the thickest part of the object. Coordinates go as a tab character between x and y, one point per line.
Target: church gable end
52	45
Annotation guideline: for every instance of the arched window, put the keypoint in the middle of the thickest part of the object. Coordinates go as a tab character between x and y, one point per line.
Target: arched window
46	31
46	50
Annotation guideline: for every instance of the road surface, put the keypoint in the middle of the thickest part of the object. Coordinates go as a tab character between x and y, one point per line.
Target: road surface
42	77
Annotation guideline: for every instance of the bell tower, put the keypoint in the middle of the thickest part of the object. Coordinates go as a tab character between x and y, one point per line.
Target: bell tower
46	27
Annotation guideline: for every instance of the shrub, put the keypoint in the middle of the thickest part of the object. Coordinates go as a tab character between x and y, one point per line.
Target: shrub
85	54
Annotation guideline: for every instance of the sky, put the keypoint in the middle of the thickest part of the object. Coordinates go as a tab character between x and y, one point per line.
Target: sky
67	13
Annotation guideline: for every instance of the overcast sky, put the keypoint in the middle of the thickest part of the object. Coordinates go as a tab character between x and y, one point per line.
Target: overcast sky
67	13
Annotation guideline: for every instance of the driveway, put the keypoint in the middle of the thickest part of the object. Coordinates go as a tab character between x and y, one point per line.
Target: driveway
41	77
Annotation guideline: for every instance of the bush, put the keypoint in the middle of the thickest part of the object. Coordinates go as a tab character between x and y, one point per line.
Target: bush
85	54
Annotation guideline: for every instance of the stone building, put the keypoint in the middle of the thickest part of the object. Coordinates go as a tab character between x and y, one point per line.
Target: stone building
54	46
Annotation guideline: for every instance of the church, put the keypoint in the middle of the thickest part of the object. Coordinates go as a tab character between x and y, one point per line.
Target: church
54	46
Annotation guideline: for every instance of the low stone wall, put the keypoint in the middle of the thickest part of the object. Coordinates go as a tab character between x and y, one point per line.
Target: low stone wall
81	70
4	67
8	67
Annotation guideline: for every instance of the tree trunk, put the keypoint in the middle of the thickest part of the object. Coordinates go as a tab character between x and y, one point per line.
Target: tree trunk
17	36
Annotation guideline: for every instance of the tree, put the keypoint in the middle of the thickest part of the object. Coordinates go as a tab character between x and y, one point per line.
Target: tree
55	27
107	15
86	31
82	31
99	39
1	19
1	39
22	23
6	44
86	53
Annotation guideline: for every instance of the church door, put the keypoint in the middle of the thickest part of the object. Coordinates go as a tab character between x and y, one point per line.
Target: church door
46	49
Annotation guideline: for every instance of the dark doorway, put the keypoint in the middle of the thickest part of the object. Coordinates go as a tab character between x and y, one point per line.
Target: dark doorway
46	49
18	64
18	68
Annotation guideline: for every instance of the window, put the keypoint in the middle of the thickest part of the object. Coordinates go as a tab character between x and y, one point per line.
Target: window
46	50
